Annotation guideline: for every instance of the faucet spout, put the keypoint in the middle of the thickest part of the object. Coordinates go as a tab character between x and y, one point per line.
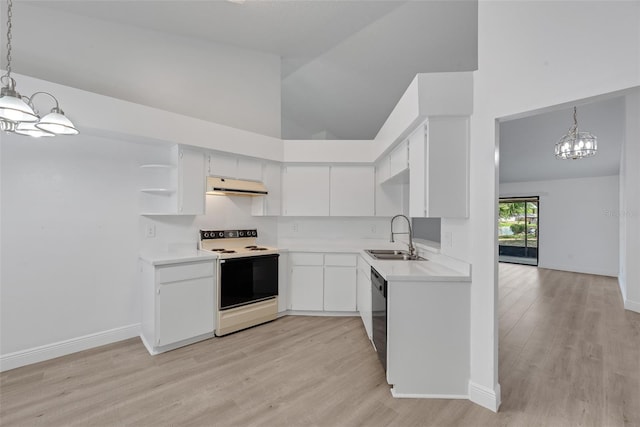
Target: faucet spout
412	249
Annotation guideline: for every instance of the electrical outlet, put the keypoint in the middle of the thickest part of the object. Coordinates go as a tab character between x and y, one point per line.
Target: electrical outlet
151	231
294	227
374	229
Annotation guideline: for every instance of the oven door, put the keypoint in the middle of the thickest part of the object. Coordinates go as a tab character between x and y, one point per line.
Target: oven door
246	280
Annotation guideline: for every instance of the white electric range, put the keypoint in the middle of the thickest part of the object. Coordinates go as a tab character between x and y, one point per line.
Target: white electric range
233	243
247	286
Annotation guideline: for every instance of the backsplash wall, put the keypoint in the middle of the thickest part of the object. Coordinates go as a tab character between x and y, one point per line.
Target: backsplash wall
333	228
222	213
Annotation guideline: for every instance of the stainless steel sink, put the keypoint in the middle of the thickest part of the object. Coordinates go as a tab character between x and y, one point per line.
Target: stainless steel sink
393	255
386	252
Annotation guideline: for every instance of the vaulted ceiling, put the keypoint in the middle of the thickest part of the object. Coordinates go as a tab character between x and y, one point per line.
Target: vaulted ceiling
344	64
527	143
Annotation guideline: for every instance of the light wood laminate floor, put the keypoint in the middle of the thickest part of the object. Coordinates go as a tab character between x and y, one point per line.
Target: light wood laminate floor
569	355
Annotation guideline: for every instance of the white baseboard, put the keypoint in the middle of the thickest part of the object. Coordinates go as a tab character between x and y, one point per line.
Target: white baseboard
157	350
398	395
62	348
484	396
632	305
322	313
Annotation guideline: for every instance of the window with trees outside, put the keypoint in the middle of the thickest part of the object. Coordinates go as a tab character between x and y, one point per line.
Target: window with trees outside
518	230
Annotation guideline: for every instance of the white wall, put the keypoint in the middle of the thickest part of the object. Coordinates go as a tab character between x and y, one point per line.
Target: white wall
336	229
629	212
527	56
69	239
214	82
578	224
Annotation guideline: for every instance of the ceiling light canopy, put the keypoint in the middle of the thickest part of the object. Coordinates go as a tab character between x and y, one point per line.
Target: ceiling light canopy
18	113
576	145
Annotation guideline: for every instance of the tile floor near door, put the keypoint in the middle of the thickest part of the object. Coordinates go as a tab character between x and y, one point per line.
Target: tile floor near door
569	355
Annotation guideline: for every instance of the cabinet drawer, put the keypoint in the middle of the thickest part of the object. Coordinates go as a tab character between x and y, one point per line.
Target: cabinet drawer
305	259
342	260
178	272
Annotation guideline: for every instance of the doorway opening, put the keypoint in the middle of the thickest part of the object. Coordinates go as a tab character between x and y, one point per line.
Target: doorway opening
518	230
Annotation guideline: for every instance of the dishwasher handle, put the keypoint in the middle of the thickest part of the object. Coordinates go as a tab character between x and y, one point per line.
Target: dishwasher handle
378	282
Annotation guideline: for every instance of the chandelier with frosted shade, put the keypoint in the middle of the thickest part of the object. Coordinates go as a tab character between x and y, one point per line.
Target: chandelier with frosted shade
18	113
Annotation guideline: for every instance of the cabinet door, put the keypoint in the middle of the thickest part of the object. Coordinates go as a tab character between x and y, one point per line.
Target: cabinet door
223	165
250	169
391	198
447	179
364	299
191	182
283	282
306	288
399	159
417	174
185	310
339	289
352	191
271	204
306	190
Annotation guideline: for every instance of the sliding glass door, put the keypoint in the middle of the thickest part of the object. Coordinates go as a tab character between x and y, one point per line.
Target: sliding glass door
518	230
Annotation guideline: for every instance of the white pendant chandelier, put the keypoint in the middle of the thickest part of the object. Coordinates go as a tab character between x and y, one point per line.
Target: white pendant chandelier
18	113
576	145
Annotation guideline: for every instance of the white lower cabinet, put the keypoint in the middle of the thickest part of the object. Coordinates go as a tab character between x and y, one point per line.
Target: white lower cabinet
364	295
178	304
283	282
428	338
322	282
339	289
307	287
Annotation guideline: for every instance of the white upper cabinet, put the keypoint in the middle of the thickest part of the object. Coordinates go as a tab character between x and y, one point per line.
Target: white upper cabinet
394	166
250	169
399	159
230	166
306	190
352	191
223	165
175	186
439	168
391	195
328	191
191	182
271	204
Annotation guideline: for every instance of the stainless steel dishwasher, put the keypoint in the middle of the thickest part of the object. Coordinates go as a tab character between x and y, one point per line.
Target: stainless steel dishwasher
379	315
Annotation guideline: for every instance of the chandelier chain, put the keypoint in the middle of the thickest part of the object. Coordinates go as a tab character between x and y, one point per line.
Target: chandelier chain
574	128
9	15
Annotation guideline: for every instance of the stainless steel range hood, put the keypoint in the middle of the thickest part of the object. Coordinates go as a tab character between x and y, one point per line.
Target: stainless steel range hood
235	187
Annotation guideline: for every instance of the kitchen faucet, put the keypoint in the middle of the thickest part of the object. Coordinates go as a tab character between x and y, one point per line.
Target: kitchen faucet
412	250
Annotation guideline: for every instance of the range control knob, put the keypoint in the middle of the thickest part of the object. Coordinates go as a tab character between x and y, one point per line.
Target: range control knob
206	234
221	234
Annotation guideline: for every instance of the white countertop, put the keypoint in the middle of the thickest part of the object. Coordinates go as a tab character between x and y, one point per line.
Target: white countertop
177	256
416	271
437	267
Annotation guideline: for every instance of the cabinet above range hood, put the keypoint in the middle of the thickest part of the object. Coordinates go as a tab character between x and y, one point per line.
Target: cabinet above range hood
235	187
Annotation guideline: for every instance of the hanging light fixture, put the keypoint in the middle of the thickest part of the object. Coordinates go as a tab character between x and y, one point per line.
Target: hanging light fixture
576	145
18	113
